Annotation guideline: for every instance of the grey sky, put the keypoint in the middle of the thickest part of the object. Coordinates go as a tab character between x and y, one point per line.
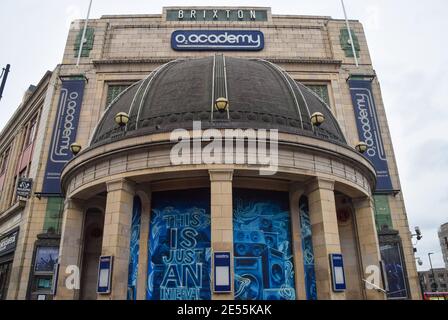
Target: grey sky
407	42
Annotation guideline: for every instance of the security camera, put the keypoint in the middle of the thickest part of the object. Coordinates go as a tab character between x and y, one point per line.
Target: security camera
420	262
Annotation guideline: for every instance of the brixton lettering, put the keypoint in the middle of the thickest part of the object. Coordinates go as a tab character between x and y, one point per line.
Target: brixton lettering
216	14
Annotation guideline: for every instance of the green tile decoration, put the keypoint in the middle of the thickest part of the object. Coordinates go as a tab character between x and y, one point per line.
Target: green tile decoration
344	39
382	211
88	44
53	215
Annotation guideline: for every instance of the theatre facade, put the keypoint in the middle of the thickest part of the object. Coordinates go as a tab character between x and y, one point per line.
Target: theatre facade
206	153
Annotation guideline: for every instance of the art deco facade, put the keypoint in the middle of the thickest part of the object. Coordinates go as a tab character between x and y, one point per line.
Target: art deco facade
162	222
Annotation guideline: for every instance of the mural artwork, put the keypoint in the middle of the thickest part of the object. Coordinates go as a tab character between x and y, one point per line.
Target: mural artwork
179	257
134	249
307	249
262	245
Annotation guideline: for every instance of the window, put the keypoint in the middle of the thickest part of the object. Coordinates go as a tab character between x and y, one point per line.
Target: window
31	132
321	90
4	161
113	91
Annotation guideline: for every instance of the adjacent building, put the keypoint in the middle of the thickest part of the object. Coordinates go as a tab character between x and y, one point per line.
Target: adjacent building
443	238
435	280
220	159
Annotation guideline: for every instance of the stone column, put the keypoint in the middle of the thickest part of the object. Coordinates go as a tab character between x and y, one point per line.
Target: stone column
70	250
324	226
368	244
117	235
295	192
222	220
144	236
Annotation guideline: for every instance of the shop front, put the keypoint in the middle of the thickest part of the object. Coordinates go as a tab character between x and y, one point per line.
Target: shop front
8	244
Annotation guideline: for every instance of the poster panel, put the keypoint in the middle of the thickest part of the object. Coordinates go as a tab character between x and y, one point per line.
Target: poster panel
394	267
263	260
134	249
179	246
307	249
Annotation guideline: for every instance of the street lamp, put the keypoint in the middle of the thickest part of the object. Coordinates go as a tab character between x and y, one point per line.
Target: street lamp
75	148
361	147
221	104
317	118
121	118
432	271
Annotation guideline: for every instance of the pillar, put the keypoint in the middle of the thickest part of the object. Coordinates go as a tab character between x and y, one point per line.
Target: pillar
222	221
368	244
325	235
295	192
117	235
70	251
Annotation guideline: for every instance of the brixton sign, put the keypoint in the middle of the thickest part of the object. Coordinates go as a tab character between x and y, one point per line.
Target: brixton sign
198	14
236	40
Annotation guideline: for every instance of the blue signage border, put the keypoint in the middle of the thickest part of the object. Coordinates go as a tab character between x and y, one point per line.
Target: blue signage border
222	259
104	266
369	132
64	133
337	264
217	40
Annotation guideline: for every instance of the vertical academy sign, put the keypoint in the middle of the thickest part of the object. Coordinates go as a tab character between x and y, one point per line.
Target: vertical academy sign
64	133
369	131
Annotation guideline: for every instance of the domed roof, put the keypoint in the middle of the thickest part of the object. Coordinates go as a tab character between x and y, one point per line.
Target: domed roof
261	96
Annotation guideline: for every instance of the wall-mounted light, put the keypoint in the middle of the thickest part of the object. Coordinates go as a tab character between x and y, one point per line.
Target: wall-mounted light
75	148
221	104
317	118
121	118
361	147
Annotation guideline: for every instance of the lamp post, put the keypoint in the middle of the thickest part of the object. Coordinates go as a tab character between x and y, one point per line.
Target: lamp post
432	271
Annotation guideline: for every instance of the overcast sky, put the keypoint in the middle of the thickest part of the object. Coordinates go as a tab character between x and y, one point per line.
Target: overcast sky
407	42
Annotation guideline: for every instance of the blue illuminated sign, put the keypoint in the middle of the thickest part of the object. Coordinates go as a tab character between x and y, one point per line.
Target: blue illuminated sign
211	40
104	274
222	271
64	133
369	130
337	272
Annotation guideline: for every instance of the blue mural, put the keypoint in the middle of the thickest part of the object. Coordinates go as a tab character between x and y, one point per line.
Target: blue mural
262	245
307	249
179	257
134	249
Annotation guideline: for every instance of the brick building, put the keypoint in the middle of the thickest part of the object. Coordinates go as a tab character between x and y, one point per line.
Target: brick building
161	223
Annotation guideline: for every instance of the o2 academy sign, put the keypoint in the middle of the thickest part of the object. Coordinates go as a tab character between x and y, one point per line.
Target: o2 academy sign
236	40
198	14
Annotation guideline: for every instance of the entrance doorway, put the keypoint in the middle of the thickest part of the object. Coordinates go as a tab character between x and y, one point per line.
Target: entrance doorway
93	241
5	272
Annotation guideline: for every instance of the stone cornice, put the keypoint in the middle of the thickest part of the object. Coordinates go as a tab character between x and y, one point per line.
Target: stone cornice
297	60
